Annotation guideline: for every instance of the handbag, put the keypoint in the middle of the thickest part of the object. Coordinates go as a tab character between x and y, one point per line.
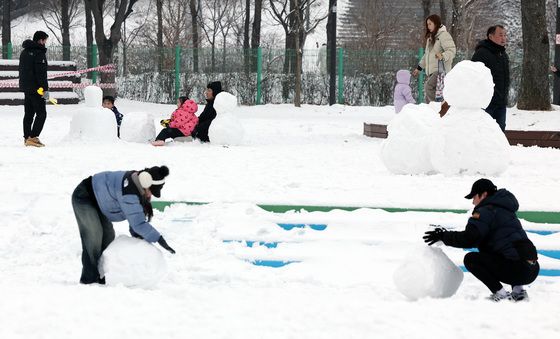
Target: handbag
440	81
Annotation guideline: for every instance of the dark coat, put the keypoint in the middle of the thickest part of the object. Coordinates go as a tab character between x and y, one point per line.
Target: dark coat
204	120
496	59
494	228
33	67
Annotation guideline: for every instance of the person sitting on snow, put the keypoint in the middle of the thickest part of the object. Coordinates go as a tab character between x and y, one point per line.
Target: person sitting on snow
209	113
109	102
505	253
181	124
106	197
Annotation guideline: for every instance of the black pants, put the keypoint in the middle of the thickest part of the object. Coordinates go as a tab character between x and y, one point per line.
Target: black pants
35	109
493	269
96	231
169	132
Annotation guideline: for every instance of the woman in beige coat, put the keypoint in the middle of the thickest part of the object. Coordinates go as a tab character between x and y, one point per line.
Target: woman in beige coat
439	46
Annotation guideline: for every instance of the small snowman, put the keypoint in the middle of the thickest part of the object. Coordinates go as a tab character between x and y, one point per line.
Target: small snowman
92	122
226	129
469	141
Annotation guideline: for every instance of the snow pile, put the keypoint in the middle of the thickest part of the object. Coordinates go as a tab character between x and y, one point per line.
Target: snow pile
138	127
132	262
93	122
406	150
469	140
226	129
465	141
427	272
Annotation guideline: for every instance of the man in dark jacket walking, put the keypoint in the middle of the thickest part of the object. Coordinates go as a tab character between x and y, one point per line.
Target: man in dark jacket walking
492	53
505	253
32	76
208	114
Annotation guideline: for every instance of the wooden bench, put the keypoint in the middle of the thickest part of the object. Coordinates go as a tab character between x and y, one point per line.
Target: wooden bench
524	138
60	88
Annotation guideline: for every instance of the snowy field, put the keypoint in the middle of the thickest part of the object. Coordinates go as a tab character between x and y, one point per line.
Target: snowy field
340	281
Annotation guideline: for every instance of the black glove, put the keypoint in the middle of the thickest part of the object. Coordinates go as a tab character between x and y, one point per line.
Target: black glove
431	237
164	244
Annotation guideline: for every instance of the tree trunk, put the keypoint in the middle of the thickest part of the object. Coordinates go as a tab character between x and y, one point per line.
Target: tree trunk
246	27
194	27
65	28
534	93
256	33
89	36
426	7
159	10
299	28
6	27
456	19
108	45
442	11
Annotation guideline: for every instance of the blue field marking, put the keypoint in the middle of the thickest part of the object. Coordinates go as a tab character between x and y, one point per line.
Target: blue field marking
272	263
543	272
541	232
250	243
315	227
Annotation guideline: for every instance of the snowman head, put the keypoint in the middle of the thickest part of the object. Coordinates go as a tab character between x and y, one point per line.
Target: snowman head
469	85
93	96
225	102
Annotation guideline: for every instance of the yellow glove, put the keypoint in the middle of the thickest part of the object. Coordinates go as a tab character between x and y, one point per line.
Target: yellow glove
165	122
46	96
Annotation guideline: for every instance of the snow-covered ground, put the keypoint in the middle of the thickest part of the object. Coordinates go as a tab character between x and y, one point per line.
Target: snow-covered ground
340	284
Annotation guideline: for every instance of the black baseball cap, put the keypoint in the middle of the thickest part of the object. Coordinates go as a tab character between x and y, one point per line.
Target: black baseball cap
480	186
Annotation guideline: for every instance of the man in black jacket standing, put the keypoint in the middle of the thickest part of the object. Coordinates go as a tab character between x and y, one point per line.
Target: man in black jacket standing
505	253
32	76
208	114
492	53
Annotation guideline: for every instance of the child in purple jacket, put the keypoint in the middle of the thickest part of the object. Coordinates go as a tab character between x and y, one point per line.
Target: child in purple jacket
403	92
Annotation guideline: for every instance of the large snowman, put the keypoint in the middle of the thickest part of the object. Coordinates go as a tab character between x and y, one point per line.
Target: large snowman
92	122
465	141
469	141
226	129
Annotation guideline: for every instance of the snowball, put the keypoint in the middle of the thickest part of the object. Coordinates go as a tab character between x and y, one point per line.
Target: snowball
93	96
469	141
406	150
226	130
427	272
138	127
225	102
469	85
132	262
93	124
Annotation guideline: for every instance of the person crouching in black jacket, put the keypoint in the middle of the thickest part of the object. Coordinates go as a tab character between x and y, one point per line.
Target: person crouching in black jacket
208	114
505	253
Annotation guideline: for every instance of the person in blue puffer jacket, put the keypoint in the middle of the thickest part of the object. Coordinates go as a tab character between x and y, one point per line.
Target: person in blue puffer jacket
106	197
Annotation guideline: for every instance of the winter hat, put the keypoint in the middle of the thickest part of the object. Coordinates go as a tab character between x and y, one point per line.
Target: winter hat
215	86
154	179
190	106
39	35
480	186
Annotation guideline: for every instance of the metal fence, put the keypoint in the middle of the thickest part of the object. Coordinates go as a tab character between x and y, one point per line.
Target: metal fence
365	77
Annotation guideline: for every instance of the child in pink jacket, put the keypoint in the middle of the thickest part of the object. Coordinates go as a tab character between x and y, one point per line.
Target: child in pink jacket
182	122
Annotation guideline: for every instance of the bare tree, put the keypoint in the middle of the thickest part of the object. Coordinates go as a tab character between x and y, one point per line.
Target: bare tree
256	31
426	8
6	27
194	29
129	36
288	13
159	11
442	11
89	35
227	23
535	89
106	44
216	12
60	16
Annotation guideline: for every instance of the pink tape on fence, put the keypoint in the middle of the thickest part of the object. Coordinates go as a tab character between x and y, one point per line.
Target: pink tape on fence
110	68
